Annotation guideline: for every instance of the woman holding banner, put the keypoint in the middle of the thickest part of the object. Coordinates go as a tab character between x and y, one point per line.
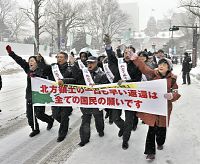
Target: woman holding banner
57	72
157	124
31	68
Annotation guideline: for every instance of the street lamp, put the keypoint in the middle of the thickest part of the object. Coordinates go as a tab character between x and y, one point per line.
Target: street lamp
194	42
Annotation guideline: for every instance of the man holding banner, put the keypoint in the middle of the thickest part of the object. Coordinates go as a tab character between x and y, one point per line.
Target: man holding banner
57	72
92	75
78	65
127	72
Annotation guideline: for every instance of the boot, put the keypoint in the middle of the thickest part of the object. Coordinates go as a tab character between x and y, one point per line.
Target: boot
50	124
110	120
160	147
60	139
125	145
150	156
101	134
120	133
134	127
34	132
81	144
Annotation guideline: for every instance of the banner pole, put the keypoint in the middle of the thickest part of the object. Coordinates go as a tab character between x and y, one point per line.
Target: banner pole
34	128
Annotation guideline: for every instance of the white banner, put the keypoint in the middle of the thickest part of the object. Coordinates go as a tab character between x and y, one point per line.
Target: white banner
145	97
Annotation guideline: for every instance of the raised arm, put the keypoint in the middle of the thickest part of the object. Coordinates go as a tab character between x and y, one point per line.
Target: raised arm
112	59
146	70
22	62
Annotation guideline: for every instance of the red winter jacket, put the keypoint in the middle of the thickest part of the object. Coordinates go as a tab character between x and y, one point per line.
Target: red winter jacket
152	119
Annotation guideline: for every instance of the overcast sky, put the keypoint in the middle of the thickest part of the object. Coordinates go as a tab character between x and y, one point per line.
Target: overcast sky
160	8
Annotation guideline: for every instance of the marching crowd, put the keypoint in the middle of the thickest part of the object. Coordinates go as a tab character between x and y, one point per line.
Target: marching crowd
104	70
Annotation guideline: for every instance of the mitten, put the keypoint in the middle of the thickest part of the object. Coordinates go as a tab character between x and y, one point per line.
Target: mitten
9	49
168	96
107	39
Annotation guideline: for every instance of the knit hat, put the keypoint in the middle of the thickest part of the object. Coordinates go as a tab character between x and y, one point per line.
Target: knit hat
168	62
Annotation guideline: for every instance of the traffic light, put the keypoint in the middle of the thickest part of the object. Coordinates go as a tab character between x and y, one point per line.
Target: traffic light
174	28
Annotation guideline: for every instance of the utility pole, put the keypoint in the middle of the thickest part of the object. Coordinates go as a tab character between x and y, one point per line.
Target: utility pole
58	31
194	45
194	42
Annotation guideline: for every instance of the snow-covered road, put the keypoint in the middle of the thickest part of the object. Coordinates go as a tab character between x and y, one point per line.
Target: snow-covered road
182	144
12	102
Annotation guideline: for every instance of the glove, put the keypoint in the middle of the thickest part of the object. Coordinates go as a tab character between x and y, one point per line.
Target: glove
107	39
9	49
168	96
60	82
32	74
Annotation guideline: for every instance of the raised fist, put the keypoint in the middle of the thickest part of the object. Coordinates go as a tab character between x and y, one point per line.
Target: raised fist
106	39
9	49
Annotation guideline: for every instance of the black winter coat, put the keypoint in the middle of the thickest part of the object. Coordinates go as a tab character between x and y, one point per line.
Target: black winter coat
113	65
37	72
78	74
65	70
98	75
186	66
154	62
132	69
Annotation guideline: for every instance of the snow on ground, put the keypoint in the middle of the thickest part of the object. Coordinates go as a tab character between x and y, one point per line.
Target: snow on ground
13	92
18	147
